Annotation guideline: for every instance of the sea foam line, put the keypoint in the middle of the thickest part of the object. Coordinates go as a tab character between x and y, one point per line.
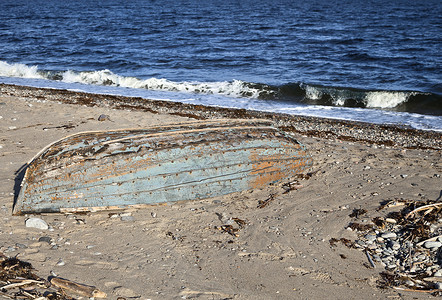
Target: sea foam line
311	94
235	88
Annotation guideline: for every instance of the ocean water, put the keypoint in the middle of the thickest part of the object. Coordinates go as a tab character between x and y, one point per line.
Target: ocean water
373	60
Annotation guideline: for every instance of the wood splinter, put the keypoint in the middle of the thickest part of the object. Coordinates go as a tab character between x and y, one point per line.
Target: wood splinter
80	289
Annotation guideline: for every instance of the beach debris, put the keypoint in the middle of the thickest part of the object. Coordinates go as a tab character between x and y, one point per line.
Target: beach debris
77	288
344	241
65	126
231	225
18	281
406	243
357	212
264	203
36	223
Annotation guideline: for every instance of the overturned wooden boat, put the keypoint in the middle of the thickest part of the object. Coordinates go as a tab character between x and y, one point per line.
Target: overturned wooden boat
131	167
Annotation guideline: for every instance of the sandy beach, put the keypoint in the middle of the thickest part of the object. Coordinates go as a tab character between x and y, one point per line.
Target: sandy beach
177	251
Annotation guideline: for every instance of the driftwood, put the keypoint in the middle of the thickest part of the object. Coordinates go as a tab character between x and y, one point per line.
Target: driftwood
425	207
80	289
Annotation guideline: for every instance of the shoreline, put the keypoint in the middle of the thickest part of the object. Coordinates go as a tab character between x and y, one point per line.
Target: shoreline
379	134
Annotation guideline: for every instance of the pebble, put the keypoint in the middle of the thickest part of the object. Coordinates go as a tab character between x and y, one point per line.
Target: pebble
370	237
21	246
46	239
409	283
103	117
438	273
395	246
389	235
153	214
389	220
432	245
60	262
37	223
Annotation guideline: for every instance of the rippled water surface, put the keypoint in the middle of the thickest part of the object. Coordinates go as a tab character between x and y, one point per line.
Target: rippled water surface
341	54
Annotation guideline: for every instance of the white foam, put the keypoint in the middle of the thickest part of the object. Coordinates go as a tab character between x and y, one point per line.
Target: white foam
312	93
19	70
235	88
385	99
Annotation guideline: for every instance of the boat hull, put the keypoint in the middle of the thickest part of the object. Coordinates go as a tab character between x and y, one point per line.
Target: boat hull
134	167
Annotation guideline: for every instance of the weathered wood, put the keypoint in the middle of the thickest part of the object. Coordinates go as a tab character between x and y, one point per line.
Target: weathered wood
193	160
77	288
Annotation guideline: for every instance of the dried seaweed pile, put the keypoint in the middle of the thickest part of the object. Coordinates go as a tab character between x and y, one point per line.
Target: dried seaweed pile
407	243
17	281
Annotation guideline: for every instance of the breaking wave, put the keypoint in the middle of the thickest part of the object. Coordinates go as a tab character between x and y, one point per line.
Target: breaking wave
409	101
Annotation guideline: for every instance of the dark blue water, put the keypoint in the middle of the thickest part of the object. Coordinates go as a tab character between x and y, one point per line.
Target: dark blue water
340	54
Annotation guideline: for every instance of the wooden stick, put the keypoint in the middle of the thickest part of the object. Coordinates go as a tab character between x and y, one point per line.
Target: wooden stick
429	206
429	240
419	291
6	295
24	282
369	259
81	289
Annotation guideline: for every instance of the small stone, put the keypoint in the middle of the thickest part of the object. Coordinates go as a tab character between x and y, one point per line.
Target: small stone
60	262
37	223
391	266
395	246
21	246
438	285
438	273
404	175
45	239
153	214
389	235
432	245
389	220
103	117
127	218
409	283
370	237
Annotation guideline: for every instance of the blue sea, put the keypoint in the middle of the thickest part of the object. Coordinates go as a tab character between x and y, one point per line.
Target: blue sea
375	61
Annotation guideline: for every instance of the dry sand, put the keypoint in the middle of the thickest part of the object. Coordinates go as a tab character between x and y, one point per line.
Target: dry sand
176	251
